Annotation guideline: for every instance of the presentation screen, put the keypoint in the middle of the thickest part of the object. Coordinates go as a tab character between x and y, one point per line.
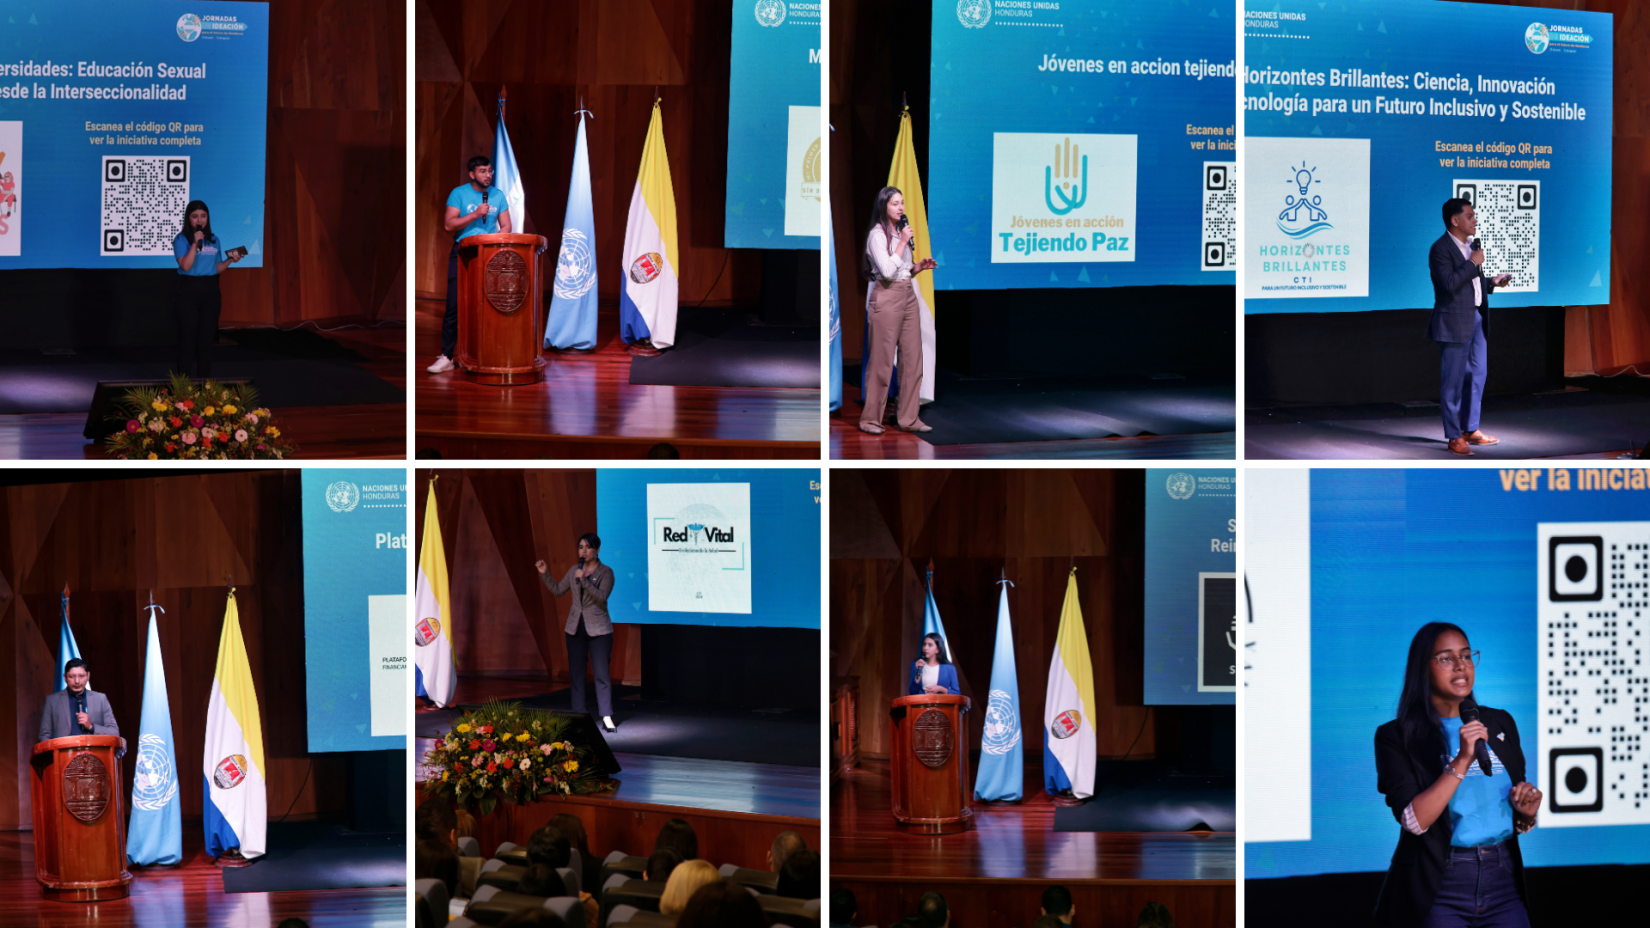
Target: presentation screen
1191	587
1361	118
1545	569
776	163
114	115
1085	143
710	547
356	676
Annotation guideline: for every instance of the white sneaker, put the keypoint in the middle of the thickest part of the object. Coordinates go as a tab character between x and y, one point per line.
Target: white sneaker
441	365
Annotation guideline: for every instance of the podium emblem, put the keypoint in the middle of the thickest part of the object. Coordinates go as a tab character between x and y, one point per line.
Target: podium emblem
934	738
86	787
230	772
506	283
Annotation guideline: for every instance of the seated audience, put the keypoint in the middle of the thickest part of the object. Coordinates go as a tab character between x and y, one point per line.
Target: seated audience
933	911
1057	902
532	918
800	877
573	827
684	881
679	836
844	906
722	904
541	880
660	863
1154	915
436	860
783	846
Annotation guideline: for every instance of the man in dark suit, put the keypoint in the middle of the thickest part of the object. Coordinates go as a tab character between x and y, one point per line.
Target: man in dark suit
77	710
1461	324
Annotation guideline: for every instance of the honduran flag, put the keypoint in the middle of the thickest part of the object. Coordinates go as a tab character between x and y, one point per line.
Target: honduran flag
234	812
647	293
931	624
434	668
1068	711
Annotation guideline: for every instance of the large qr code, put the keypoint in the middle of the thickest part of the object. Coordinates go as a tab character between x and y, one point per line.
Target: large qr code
1219	216
1509	225
143	201
1594	688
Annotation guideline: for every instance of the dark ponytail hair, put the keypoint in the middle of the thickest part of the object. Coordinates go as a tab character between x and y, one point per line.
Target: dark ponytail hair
939	642
879	217
187	232
1417	716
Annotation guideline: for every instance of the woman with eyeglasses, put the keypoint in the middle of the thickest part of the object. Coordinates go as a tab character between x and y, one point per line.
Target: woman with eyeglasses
1457	864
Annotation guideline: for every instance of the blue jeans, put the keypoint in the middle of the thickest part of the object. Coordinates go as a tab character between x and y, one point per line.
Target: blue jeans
1478	891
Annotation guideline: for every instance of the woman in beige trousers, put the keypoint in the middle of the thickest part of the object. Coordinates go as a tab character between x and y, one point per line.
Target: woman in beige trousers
894	324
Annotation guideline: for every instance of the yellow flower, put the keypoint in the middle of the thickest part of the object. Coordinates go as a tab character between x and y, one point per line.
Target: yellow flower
570	766
274	432
523	736
445	774
230	410
463	728
157	404
555	745
153	456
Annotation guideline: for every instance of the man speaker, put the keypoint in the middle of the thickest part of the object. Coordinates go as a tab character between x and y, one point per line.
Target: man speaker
77	710
1460	324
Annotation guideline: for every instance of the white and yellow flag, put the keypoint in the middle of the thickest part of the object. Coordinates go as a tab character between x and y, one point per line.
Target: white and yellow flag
435	667
902	173
1068	710
651	261
234	811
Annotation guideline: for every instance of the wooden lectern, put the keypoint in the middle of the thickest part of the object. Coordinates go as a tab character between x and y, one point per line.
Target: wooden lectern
930	764
500	308
79	819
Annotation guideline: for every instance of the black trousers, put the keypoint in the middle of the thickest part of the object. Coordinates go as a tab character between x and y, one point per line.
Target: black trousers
449	322
599	648
196	308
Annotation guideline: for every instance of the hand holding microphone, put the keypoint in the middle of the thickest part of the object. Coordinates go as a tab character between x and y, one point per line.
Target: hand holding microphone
1474	736
200	238
1477	252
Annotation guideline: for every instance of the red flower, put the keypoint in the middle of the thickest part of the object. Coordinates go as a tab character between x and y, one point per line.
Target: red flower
475	745
485	729
171	446
132	426
186	404
509	762
195	421
489	746
492	768
176	422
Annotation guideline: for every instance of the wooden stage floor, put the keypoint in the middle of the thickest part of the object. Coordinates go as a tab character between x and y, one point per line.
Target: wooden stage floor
586	408
994	873
364	431
848	443
190	895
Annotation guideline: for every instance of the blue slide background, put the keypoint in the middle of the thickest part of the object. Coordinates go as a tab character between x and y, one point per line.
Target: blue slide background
784	536
1177	550
1392	550
1408	186
61	188
986	81
342	567
769	73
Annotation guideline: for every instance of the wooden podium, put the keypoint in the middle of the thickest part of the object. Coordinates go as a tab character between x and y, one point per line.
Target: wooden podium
500	308
79	819
930	764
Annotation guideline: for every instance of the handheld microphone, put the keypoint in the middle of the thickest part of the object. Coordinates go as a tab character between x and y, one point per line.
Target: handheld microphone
581	571
1469	713
484	197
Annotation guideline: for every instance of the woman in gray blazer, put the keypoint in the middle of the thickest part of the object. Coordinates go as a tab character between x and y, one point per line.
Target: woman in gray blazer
589	630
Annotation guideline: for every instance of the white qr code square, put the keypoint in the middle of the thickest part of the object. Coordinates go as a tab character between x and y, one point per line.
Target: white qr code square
1219	216
1509	225
143	201
1593	686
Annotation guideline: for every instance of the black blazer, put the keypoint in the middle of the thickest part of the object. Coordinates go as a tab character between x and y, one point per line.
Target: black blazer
1403	771
1452	305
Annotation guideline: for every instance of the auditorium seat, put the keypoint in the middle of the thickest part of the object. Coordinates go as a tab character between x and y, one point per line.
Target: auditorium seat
760	880
637	919
644	895
512	853
469	847
507	877
797	913
492	905
433	893
620	862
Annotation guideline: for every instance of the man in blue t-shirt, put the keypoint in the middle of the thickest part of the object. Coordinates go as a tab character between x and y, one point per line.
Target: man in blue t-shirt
475	208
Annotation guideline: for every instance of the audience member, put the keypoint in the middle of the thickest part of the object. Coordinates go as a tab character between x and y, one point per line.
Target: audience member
788	843
844	906
437	818
573	827
541	880
532	918
800	877
549	846
721	904
436	860
1047	921
679	836
1057	902
1154	915
660	863
684	881
933	911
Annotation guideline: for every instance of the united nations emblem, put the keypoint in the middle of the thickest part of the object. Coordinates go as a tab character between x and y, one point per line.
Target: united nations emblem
974	14
1180	485
1065	724
86	787
646	267
343	496
1535	38
426	631
1002	726
770	12
812	172
189	27
230	772
155	783
575	265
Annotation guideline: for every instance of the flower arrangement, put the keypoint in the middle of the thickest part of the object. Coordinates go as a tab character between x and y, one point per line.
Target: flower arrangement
189	421
502	751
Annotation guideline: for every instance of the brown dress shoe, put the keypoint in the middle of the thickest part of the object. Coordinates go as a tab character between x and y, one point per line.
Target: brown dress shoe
1477	437
1458	445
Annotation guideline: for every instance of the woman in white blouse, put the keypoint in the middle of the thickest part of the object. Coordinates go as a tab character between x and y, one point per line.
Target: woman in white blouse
894	323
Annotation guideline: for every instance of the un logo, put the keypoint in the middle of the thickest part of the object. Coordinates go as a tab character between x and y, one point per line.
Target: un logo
974	14
1535	38
343	496
155	784
770	12
189	27
575	265
1002	726
1180	486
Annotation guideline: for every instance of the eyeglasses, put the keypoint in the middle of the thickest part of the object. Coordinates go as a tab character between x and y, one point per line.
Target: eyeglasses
1447	660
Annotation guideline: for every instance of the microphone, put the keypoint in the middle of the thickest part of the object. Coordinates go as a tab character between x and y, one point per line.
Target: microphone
484	203
1469	713
581	571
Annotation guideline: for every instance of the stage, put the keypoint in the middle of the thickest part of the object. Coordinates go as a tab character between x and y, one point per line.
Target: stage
190	894
997	870
1347	900
338	394
587	407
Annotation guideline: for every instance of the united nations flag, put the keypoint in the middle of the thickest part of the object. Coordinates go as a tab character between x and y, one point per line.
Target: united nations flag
155	835
572	322
1002	765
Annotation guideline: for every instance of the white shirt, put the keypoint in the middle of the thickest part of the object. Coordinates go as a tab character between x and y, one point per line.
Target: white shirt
930	675
1477	286
888	267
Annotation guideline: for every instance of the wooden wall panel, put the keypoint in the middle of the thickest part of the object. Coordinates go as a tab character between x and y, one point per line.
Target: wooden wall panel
1206	904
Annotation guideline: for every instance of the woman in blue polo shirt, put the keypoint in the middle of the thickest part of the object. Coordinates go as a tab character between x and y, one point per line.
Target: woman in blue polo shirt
1457	862
196	307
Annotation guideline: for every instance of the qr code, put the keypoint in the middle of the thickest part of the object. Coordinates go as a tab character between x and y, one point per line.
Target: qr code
1509	225
1219	216
1594	688
143	201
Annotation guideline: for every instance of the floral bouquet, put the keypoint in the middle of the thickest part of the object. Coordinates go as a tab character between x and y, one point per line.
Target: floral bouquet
190	421
502	751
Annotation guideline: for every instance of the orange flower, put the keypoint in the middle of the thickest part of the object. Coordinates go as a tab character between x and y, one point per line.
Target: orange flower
492	768
475	745
509	762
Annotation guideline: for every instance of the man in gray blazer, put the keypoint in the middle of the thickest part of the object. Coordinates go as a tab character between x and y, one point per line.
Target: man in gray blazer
77	710
1461	325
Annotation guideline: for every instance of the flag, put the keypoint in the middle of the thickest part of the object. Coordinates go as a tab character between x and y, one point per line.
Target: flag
651	260
572	322
931	619
835	317
1002	764
67	650
1068	712
506	176
903	174
433	615
155	835
234	812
